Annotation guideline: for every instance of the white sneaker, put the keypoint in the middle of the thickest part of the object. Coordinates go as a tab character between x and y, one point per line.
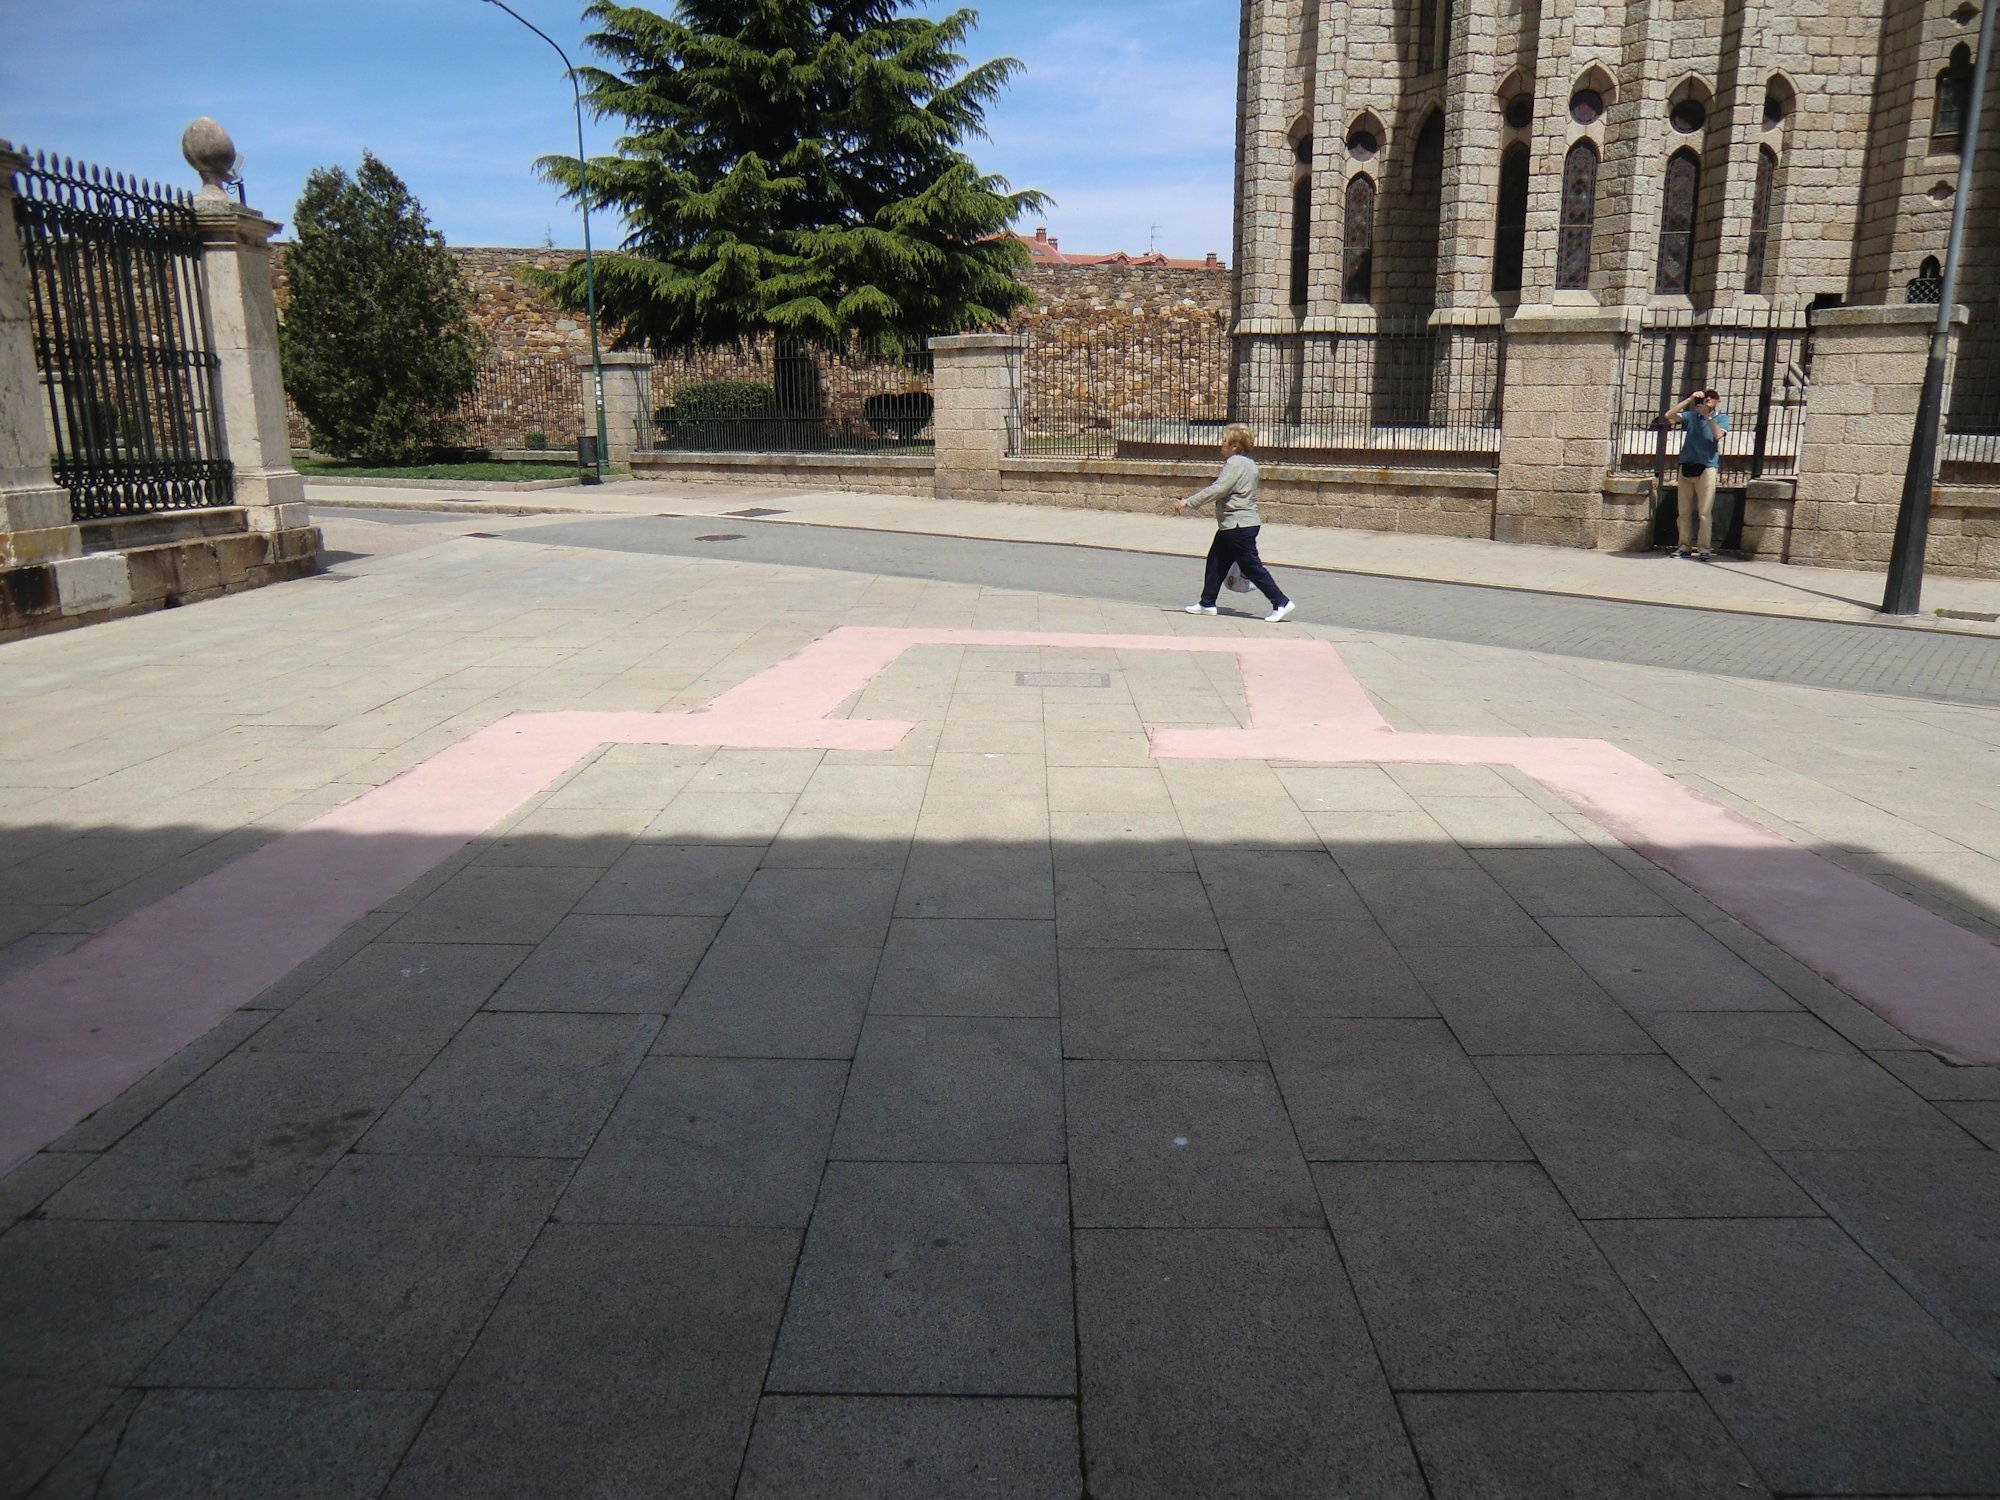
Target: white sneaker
1201	609
1281	611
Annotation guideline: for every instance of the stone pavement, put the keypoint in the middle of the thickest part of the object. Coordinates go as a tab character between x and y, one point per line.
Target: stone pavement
1765	588
1010	1112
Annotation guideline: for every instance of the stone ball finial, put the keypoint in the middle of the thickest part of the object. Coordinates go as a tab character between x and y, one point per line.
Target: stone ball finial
209	150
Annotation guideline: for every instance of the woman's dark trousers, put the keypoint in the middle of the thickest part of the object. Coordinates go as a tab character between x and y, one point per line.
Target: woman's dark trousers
1238	545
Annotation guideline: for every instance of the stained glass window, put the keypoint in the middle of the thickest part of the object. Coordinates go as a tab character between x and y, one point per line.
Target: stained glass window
1677	223
1760	220
1357	278
1579	216
1302	202
1510	228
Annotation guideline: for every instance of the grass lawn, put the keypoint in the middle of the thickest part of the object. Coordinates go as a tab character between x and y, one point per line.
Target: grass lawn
486	469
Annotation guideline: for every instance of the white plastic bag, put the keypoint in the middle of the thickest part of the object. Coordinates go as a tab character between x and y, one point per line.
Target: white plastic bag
1236	582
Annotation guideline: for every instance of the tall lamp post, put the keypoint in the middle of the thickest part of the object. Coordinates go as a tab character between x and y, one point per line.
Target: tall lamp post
1905	586
583	199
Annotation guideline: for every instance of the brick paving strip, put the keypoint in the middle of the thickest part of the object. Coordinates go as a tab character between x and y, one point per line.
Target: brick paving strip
77	1030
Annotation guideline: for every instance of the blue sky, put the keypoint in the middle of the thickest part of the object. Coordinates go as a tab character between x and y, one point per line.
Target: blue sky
1124	111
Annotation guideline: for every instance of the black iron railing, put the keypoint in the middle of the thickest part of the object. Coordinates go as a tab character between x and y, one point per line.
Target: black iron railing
1970	446
1393	391
120	330
1761	366
771	398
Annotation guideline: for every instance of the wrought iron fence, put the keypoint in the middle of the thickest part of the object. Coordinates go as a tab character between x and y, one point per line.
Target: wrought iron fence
1396	391
773	398
1971	438
1762	369
120	331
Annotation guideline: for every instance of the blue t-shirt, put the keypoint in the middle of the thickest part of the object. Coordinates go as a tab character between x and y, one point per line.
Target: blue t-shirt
1698	447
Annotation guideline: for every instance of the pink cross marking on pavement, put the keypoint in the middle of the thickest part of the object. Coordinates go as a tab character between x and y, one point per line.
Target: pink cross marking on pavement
79	1028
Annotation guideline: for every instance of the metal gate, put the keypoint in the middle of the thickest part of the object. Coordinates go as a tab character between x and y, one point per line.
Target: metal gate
1762	368
115	281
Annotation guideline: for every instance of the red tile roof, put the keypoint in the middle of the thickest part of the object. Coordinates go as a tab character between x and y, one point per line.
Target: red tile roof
1044	251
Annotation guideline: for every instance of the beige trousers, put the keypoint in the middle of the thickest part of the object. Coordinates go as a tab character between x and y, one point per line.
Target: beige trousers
1697	497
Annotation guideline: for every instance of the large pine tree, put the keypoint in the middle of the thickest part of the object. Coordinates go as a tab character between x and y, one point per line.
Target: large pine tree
794	168
378	343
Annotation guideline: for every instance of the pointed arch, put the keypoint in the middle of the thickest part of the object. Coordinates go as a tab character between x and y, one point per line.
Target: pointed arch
1579	217
1761	200
1679	204
1301	281
1357	268
1510	226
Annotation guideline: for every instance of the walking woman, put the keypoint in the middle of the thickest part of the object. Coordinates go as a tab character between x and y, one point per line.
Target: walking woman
1236	526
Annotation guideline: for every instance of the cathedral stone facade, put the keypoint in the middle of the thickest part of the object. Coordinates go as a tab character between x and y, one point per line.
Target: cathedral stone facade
1579	178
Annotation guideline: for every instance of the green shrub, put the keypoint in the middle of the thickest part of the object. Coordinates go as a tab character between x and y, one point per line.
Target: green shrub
717	400
535	438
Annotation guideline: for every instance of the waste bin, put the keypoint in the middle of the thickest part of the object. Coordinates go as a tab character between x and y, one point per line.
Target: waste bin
586	457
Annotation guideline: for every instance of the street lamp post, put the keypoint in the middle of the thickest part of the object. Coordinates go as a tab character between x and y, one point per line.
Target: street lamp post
1904	589
583	199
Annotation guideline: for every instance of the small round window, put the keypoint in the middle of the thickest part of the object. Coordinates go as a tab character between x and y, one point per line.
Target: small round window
1520	111
1688	116
1361	144
1586	106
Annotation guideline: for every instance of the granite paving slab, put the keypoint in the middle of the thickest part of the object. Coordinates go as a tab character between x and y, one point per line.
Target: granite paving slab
673	880
247	1140
1825	1371
1328	968
991	882
1523	1000
967	967
1418	906
1576	1446
1161	1003
631	964
1230	1361
1632	1137
1476	1276
380	1278
1183	1145
752	998
1277	885
42	1421
91	1303
405	997
954	1088
1795	1085
1386	1090
236	1445
518	1084
932	1279
1099	908
1570	882
1665	964
1931	1219
484	904
711	1141
910	1448
623	1360
112	1121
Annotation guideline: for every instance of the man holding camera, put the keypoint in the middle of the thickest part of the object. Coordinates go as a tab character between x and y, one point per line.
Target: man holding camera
1702	425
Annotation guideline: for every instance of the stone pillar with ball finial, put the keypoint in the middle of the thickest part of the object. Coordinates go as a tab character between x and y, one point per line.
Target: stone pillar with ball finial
242	324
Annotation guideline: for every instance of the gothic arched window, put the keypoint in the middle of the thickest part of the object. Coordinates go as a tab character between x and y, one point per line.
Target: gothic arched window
1954	96
1579	217
1302	208
1677	212
1760	221
1510	223
1357	271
